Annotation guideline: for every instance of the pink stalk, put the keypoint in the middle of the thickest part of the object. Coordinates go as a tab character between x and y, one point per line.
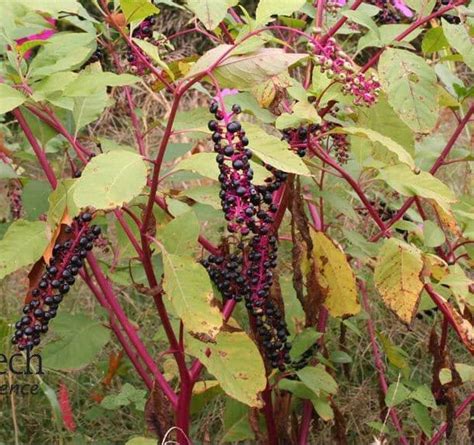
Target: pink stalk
39	152
460	409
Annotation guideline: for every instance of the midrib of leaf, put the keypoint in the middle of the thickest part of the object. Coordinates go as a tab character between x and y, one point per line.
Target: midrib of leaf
415	102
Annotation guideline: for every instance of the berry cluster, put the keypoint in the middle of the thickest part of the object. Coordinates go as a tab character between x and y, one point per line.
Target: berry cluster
144	31
298	139
338	66
249	210
66	262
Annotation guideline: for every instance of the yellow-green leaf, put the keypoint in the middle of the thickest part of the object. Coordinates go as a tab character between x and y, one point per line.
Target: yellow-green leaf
236	363
188	288
110	180
335	277
398	278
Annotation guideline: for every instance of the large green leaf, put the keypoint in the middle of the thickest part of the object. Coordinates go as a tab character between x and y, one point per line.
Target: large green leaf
389	144
63	51
135	10
23	244
267	8
303	112
423	184
80	340
411	87
35	198
459	39
210	12
274	151
111	179
397	277
87	109
188	288
9	98
236	363
92	82
59	199
317	379
236	422
180	235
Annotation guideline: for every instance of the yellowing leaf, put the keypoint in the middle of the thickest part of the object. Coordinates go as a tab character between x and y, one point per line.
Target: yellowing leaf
398	278
236	364
335	277
210	12
189	290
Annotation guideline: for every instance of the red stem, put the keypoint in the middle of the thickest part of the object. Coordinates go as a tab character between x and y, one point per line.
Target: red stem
460	409
128	328
272	435
39	152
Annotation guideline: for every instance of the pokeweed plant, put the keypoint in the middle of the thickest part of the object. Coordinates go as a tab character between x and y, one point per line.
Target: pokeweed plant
319	115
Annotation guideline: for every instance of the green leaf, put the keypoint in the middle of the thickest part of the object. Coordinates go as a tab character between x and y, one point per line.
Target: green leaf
411	87
323	408
317	379
128	395
23	244
7	172
59	199
43	132
249	104
459	39
152	51
111	179
397	393
303	113
9	98
180	235
80	340
340	357
205	194
273	151
362	19
303	341
62	52
423	395
397	277
434	40
188	288
136	10
389	144
236	363
35	198
92	82
407	183
236	422
205	165
433	236
87	109
267	8
422	415
210	12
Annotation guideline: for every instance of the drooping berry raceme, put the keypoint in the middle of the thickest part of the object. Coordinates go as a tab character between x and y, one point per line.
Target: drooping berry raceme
339	66
66	262
250	211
